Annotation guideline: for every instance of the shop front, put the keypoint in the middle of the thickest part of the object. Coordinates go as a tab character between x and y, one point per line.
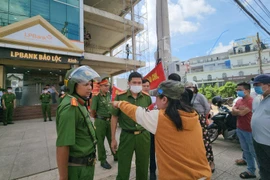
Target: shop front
34	54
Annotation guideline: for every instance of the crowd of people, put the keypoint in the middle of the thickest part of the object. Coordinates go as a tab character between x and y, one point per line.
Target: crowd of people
166	128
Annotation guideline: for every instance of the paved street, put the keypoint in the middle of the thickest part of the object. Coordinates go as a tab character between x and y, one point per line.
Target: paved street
27	152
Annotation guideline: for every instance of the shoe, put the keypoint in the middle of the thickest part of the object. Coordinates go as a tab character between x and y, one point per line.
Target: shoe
50	120
106	165
45	120
10	122
153	176
240	162
212	166
5	124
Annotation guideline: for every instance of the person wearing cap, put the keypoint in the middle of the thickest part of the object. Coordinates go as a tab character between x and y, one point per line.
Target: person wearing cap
100	110
133	138
9	104
178	136
76	136
45	99
260	125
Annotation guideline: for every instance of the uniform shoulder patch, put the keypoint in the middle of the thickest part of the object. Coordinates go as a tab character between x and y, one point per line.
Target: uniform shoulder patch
145	93
122	92
73	101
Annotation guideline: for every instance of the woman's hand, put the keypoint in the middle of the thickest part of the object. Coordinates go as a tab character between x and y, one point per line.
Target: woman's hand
115	104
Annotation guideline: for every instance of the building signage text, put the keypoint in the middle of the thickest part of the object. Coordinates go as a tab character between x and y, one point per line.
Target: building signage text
37	56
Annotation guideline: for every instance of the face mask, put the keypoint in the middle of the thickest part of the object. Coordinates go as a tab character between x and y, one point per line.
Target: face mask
240	93
45	92
136	89
9	90
62	92
258	89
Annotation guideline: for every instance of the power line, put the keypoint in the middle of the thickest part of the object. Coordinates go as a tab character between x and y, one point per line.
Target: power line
263	9
256	12
243	7
264	6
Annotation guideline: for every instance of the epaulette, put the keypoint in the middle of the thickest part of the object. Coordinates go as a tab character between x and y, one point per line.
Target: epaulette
123	92
74	102
145	93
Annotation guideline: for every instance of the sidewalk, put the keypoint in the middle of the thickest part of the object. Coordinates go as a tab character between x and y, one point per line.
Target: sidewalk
27	152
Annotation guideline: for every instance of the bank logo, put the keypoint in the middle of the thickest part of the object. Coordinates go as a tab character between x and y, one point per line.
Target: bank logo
35	36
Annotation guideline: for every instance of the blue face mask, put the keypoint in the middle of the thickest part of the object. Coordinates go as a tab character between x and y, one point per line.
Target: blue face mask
258	89
240	93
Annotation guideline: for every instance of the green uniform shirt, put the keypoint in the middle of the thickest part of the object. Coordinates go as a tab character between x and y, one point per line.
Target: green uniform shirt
8	98
72	130
45	98
101	104
125	122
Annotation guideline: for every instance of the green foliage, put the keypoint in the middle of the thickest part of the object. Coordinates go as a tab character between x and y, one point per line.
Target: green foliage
228	90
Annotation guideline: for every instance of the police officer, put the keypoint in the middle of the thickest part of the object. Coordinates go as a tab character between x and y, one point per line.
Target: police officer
76	137
100	110
133	136
9	104
45	99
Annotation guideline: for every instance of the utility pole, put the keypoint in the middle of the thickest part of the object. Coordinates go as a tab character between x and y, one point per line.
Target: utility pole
259	53
163	35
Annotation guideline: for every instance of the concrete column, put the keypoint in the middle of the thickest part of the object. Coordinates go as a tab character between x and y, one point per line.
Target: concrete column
2	77
111	53
133	35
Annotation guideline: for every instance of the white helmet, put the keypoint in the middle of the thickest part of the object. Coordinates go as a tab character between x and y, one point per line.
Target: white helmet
191	84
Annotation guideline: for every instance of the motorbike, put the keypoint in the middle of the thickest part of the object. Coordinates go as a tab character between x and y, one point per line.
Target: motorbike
223	122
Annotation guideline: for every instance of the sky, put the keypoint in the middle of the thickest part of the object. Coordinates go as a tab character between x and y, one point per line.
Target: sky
196	25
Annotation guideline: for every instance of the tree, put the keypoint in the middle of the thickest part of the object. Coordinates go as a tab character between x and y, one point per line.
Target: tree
228	90
210	91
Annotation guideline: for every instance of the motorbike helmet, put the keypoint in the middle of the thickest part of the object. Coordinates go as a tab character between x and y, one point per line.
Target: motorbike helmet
81	74
190	84
217	100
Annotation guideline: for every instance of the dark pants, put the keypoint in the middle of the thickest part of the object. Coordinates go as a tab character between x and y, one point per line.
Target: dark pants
153	166
263	156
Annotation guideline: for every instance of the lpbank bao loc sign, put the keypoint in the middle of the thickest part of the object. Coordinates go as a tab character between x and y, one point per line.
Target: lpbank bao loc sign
37	56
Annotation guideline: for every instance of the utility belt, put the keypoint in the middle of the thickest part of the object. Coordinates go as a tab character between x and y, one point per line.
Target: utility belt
133	131
89	160
104	118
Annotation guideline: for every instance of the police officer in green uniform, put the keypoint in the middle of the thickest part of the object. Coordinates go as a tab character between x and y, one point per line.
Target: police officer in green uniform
9	104
45	98
133	136
100	110
76	137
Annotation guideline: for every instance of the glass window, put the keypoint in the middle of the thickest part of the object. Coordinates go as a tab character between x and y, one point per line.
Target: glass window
224	75
73	19
3	12
194	78
177	67
241	73
18	10
209	77
40	7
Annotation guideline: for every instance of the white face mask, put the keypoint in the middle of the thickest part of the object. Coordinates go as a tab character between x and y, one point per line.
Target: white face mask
136	89
62	92
45	91
9	90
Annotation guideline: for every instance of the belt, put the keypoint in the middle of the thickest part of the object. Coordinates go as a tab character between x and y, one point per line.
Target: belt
89	160
133	132
104	118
